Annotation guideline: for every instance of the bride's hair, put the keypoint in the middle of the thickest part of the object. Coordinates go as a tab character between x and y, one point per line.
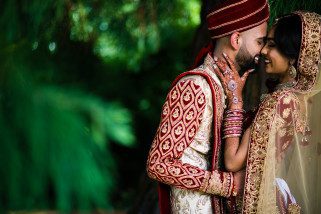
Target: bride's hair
287	36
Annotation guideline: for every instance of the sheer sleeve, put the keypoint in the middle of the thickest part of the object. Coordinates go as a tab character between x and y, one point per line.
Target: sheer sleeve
289	122
293	152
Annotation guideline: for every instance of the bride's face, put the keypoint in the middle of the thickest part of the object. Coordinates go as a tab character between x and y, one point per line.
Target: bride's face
275	61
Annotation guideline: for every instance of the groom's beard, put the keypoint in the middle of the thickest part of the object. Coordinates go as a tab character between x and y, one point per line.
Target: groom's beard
244	59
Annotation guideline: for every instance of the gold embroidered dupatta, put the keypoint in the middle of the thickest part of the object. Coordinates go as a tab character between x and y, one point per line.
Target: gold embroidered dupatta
283	172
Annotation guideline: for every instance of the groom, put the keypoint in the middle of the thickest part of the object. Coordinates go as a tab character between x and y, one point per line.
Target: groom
185	156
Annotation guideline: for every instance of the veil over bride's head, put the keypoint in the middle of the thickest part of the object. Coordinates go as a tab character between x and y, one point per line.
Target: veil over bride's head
309	59
284	158
298	169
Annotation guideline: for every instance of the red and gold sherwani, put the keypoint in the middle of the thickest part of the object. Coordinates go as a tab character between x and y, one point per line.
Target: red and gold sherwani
185	153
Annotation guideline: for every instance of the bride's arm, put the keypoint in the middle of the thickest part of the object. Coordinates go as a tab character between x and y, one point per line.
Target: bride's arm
235	148
236	145
235	152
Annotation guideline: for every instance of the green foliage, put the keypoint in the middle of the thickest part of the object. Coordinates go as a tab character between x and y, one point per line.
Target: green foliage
66	73
30	19
125	32
282	7
80	81
55	136
55	143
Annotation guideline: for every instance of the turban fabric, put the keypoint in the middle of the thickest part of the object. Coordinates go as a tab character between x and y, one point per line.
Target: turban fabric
236	16
233	16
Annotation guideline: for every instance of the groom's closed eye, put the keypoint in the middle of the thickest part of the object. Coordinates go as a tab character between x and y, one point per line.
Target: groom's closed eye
260	41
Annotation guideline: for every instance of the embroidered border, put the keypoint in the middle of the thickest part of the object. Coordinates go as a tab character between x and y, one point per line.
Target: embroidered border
309	59
294	209
257	151
308	65
175	169
218	110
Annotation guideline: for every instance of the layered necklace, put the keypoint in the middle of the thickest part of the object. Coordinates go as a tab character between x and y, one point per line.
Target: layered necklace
289	84
280	86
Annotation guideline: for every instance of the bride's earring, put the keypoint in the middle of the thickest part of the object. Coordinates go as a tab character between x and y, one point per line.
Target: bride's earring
292	71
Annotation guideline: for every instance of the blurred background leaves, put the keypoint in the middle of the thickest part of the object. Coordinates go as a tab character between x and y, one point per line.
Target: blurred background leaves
81	87
76	94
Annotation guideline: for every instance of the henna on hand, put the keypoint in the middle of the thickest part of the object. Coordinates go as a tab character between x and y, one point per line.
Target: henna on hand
232	83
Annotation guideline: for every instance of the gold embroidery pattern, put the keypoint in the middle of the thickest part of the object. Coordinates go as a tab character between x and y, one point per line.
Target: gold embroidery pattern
308	63
205	183
288	120
271	111
217	96
257	151
309	58
207	67
175	134
294	209
217	160
215	186
187	201
218	186
181	116
196	154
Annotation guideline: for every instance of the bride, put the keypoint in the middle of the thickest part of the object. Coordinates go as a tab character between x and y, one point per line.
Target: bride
282	147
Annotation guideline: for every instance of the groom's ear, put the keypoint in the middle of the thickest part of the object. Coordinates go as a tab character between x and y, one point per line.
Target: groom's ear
236	41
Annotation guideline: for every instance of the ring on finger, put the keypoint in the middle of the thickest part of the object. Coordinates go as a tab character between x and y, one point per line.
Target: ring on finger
227	71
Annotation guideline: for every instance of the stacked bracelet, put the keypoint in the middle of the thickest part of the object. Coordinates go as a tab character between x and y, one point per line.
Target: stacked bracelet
233	122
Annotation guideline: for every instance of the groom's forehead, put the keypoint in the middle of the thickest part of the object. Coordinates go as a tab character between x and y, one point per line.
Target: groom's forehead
258	32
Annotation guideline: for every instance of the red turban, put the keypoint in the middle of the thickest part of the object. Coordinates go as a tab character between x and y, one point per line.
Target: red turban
236	15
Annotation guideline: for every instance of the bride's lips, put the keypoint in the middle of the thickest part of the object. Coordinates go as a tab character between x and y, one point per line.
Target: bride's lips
267	61
257	60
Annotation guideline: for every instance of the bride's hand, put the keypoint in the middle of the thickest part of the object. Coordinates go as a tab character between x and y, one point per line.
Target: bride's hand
232	83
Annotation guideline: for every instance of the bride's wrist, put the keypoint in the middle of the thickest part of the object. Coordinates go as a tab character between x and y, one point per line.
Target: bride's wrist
235	102
235	106
233	122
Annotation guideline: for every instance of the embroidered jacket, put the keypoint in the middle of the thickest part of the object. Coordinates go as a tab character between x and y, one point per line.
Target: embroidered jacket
179	155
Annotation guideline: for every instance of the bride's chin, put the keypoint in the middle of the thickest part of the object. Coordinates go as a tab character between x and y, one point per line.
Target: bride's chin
268	69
